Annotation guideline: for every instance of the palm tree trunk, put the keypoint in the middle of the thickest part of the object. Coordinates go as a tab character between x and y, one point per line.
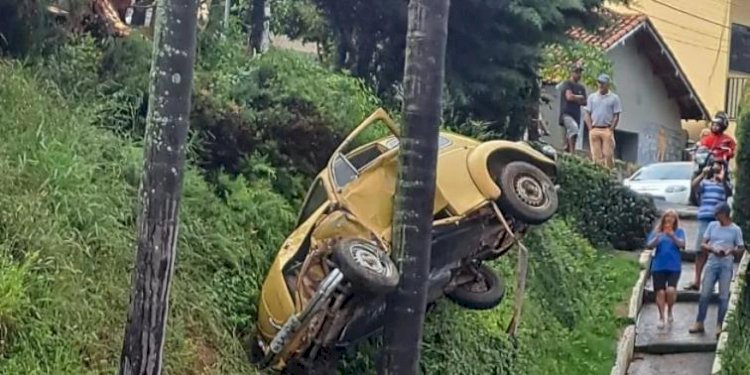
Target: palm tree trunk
412	232
161	186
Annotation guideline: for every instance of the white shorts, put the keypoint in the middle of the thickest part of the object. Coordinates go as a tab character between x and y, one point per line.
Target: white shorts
571	126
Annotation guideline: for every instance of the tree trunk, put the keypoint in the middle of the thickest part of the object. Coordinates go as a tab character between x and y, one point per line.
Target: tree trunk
139	12
109	14
260	24
412	232
161	186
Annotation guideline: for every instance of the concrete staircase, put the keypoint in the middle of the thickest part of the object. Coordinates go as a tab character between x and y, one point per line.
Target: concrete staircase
672	350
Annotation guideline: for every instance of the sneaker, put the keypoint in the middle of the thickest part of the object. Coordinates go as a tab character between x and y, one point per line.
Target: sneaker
670	320
660	325
697	328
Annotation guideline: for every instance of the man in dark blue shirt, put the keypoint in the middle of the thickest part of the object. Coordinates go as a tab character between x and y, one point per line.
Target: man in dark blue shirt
572	97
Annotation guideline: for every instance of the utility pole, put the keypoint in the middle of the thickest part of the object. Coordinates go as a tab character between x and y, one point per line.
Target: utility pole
412	219
161	186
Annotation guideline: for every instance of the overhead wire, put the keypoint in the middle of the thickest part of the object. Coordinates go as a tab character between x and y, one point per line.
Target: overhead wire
670	6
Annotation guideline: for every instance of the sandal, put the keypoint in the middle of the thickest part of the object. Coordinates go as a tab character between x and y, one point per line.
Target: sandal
693	286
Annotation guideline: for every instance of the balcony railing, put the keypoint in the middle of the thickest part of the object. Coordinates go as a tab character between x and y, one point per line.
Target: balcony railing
735	85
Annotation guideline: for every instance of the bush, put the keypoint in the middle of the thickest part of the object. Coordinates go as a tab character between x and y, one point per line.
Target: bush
569	324
736	357
603	210
283	107
742	183
69	194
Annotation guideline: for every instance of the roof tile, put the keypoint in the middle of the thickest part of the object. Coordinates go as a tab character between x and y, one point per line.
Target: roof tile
618	25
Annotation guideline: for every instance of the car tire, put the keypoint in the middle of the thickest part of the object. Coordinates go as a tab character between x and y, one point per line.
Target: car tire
528	194
493	292
366	266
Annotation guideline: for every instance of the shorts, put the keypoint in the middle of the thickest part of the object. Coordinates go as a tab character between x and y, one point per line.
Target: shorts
662	279
571	126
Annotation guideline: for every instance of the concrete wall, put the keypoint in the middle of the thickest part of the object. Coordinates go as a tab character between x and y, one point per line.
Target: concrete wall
701	47
647	110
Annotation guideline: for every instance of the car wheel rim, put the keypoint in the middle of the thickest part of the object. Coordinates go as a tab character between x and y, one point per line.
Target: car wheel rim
368	259
530	191
479	286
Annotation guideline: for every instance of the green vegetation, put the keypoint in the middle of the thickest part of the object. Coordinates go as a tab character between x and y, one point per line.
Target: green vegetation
736	358
492	53
66	244
603	210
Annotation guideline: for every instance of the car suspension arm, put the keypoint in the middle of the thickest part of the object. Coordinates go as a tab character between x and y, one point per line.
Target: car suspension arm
522	268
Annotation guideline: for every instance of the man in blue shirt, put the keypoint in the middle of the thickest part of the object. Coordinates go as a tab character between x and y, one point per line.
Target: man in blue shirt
711	191
722	240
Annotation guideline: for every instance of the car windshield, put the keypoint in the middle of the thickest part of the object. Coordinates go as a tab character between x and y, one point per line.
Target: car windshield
671	171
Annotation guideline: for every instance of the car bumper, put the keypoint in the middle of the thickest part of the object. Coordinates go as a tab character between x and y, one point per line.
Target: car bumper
682	197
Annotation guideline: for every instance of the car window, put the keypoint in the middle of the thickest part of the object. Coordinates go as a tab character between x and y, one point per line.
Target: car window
347	168
664	172
362	158
343	171
316	196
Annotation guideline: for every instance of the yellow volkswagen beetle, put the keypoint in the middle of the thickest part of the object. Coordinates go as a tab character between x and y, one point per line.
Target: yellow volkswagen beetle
325	290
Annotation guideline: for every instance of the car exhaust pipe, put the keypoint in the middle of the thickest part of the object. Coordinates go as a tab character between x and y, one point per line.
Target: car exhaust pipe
292	325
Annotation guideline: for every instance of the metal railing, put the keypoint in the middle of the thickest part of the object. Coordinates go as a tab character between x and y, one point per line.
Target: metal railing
735	86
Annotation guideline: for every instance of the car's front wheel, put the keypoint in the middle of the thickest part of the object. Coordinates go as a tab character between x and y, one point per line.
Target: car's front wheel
527	193
366	266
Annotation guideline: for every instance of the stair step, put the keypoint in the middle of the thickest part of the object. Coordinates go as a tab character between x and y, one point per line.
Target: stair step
671	364
686	277
649	296
674	338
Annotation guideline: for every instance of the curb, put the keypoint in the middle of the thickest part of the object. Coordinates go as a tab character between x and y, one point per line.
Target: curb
625	348
626	342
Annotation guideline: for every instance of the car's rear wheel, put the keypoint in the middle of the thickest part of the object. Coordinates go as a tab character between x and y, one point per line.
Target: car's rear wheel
366	266
484	292
528	194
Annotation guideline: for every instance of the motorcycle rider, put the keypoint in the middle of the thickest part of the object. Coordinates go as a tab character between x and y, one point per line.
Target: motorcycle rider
721	145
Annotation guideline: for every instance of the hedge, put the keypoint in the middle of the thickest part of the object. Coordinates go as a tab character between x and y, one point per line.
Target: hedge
736	356
602	209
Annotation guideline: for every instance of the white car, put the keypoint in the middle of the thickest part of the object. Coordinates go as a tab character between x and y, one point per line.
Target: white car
669	181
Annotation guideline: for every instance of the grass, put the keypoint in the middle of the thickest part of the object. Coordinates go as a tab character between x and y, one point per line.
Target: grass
67	215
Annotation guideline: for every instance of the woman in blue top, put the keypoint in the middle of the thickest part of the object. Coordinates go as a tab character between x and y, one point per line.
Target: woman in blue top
667	238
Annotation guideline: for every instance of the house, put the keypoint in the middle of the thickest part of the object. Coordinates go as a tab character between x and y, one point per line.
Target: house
710	40
655	92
